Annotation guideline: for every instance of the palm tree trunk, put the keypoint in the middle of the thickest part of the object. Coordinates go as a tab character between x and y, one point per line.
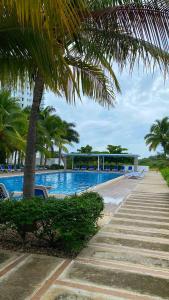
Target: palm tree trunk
30	159
60	155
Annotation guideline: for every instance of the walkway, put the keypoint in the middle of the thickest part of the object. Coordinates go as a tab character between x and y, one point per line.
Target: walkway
127	259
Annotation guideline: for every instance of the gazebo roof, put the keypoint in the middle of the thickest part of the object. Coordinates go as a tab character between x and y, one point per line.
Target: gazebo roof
73	154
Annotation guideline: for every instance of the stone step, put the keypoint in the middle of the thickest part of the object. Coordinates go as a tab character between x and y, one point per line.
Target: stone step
146	207
131	236
143	212
147	203
126	240
141	223
87	273
136	231
142	217
127	256
22	281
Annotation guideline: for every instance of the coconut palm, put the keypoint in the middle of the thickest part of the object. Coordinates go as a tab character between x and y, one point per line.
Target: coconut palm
67	137
159	135
12	125
68	46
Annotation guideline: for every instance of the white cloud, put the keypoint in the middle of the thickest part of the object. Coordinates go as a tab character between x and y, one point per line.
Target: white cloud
144	99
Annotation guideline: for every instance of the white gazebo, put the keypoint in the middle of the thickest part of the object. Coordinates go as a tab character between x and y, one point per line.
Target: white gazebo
100	157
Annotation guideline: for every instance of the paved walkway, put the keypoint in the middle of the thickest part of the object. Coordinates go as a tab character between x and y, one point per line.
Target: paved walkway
127	259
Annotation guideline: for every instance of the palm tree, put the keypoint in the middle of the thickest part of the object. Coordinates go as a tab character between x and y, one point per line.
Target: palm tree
67	137
159	135
12	124
67	46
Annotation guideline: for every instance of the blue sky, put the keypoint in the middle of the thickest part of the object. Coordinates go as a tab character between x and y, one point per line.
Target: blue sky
144	98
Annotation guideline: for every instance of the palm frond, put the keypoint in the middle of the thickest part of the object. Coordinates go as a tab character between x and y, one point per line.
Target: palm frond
144	20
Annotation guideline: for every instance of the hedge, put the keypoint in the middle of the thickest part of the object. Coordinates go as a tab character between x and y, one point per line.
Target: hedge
165	174
68	222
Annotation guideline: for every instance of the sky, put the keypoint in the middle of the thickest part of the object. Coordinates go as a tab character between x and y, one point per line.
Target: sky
144	98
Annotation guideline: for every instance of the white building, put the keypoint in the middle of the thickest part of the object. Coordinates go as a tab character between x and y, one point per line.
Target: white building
25	96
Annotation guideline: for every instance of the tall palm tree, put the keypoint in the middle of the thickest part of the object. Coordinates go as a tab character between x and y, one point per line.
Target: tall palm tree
67	46
159	135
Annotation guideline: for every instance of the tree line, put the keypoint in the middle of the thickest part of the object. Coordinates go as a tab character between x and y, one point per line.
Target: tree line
53	133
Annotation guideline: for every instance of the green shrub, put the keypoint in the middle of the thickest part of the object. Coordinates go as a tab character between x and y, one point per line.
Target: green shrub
66	223
165	174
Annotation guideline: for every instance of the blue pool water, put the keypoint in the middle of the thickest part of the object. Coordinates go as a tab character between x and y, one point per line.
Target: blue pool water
61	182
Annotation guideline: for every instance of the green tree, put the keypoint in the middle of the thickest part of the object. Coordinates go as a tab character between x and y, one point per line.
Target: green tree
69	47
116	149
85	149
159	135
67	137
13	124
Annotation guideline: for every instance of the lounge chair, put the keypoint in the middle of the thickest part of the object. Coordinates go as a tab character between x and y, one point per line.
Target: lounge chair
83	168
41	191
115	168
76	169
91	168
130	168
122	169
2	168
10	169
135	175
107	169
4	194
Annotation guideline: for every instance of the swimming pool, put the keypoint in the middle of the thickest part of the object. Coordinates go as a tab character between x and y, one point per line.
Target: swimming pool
61	182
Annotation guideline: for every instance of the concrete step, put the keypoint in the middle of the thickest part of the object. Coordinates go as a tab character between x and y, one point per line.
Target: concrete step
151	232
130	241
146	207
137	216
101	253
21	281
141	223
143	212
116	278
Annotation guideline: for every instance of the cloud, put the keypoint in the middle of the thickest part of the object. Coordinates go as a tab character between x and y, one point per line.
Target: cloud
144	99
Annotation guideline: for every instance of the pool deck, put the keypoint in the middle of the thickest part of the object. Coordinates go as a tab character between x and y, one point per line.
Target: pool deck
127	259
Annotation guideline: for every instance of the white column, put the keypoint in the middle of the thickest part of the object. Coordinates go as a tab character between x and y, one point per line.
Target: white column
135	164
98	163
65	163
103	163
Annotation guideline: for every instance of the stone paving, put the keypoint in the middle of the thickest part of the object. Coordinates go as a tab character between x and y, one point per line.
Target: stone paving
127	259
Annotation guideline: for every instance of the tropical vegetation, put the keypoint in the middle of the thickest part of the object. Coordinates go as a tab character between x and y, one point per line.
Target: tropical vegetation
159	135
53	133
69	46
64	225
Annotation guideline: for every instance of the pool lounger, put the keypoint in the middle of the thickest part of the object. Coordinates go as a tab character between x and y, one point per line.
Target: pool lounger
135	175
91	168
83	168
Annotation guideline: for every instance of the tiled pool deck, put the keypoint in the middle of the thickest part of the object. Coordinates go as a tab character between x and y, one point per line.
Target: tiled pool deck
127	259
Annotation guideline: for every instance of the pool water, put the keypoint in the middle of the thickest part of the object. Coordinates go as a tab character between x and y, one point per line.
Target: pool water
61	182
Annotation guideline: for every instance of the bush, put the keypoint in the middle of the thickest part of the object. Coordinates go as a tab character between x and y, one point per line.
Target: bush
55	167
66	223
165	174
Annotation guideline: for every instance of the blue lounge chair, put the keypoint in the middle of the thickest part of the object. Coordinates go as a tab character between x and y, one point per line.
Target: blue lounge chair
130	168
41	191
122	169
115	168
91	168
107	169
76	169
2	168
10	168
83	168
